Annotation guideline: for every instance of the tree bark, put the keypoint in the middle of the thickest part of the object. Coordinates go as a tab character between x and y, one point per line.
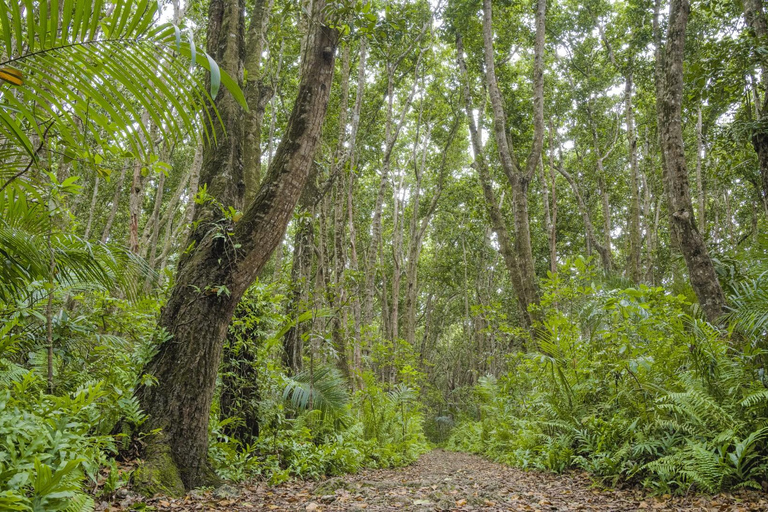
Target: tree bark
339	295
701	214
756	19
257	94
115	205
391	133
494	212
134	208
301	275
357	356
553	223
635	242
227	254
682	220
519	178
590	229
94	198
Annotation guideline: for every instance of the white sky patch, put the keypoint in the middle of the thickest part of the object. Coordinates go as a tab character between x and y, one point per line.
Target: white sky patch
616	90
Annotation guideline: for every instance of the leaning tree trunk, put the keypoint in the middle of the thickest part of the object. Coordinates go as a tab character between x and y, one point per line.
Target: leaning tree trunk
226	257
683	223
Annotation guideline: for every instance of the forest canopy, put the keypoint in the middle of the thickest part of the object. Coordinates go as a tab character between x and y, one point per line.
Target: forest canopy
276	239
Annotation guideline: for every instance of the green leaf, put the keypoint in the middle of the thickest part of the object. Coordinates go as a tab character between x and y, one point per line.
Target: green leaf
215	76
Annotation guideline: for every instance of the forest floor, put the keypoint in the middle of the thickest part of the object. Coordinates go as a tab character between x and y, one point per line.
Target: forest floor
442	480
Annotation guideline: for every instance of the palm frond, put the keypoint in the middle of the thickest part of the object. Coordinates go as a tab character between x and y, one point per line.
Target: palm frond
92	69
322	388
29	239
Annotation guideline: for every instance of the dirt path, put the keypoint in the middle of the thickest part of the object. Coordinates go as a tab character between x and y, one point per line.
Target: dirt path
443	480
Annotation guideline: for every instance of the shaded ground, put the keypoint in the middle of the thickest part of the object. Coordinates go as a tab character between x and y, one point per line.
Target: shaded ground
443	480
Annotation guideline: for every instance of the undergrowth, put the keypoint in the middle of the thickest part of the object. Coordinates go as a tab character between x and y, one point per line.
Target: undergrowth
628	384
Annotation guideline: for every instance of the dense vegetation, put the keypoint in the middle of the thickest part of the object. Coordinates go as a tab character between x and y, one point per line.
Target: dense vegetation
246	239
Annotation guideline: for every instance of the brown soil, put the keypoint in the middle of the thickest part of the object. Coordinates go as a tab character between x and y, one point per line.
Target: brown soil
443	480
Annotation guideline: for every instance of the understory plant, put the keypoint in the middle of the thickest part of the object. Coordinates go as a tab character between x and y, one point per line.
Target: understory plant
271	425
627	384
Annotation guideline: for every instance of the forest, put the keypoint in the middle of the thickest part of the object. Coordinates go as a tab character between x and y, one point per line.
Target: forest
383	254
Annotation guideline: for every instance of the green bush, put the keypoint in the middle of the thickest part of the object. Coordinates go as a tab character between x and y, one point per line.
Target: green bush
626	384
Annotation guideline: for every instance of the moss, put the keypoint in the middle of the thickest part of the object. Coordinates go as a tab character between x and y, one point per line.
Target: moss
158	473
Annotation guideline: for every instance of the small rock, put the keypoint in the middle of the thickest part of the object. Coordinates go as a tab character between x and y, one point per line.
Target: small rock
312	506
328	498
226	491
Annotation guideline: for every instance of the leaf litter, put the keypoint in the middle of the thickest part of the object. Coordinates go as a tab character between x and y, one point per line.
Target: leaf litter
443	481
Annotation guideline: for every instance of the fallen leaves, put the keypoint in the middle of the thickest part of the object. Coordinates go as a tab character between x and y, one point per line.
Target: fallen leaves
444	481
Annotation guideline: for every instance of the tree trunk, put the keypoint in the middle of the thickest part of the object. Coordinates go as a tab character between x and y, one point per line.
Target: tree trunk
755	15
553	223
257	94
339	295
134	208
213	275
357	357
683	223
115	205
519	178
635	242
701	214
590	229
94	198
194	183
494	212
152	242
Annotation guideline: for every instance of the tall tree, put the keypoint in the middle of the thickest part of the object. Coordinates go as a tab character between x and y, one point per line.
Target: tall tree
519	176
682	220
227	251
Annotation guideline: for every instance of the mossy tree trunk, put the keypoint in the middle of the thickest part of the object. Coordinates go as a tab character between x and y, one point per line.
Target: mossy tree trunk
227	253
682	221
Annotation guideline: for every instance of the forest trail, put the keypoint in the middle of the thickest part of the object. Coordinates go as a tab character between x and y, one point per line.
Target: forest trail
442	480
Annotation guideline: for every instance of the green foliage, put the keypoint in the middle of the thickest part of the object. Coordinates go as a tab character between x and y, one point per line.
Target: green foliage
625	384
307	425
50	444
119	59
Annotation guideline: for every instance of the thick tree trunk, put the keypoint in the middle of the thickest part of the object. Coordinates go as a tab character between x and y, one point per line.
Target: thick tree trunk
213	276
683	223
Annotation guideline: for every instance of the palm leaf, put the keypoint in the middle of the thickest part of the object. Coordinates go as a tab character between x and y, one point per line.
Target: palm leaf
322	388
97	63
